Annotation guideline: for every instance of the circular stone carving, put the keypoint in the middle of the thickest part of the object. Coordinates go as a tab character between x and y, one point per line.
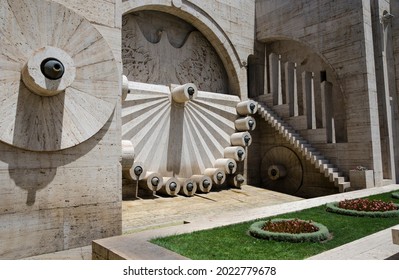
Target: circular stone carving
276	172
42	114
281	170
395	195
45	63
333	207
317	236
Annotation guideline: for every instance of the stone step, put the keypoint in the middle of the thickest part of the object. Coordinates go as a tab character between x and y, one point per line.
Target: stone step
334	175
303	146
344	186
339	180
330	170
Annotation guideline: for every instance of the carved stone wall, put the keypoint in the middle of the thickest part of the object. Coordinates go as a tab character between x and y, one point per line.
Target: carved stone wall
60	177
342	35
228	25
159	48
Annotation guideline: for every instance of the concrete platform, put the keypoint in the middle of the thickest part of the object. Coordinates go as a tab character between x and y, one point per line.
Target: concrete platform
181	215
378	246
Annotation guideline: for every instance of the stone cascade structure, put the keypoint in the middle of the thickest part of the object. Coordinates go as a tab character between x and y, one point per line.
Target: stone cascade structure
294	116
188	132
185	140
100	98
304	148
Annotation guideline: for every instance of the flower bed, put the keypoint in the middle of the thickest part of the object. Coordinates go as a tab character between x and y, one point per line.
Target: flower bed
364	207
395	195
290	230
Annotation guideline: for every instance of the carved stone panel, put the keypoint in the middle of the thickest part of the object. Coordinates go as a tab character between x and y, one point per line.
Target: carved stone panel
158	48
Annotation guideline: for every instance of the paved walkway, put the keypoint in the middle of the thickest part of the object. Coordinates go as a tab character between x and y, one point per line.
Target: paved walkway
144	219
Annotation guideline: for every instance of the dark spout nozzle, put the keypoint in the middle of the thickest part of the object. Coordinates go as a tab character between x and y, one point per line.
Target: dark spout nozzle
52	68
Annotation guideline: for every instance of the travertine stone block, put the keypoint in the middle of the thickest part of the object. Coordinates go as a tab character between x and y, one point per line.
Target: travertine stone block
395	235
361	179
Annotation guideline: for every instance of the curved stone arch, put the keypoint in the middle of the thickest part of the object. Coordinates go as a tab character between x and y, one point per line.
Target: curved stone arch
208	27
310	48
311	57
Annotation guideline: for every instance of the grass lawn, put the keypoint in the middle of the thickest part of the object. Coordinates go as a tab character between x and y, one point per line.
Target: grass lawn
234	243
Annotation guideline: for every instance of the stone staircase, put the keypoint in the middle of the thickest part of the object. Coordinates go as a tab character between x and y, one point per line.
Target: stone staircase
304	147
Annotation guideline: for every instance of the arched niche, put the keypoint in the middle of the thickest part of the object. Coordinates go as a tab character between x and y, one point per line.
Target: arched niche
159	48
306	60
214	33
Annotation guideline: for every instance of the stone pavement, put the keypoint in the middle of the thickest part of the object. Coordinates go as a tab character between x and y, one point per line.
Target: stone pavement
144	219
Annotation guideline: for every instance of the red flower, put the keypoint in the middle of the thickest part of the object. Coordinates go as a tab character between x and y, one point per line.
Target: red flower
361	204
294	226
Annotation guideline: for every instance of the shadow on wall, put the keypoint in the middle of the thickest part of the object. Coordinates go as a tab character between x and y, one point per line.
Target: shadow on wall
38	122
175	147
33	171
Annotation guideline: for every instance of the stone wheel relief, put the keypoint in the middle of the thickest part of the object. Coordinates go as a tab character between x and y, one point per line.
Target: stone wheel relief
58	81
281	170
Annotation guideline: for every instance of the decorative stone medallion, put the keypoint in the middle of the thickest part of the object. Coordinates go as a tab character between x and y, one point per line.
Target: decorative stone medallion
59	82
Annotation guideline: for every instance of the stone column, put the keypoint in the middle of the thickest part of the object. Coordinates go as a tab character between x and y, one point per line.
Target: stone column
308	97
266	75
291	88
275	78
327	111
386	137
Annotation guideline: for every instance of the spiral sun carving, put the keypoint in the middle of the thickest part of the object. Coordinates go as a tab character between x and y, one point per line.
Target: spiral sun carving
177	139
40	111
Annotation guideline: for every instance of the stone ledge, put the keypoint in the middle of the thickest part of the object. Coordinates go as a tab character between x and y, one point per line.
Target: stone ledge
395	235
130	247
